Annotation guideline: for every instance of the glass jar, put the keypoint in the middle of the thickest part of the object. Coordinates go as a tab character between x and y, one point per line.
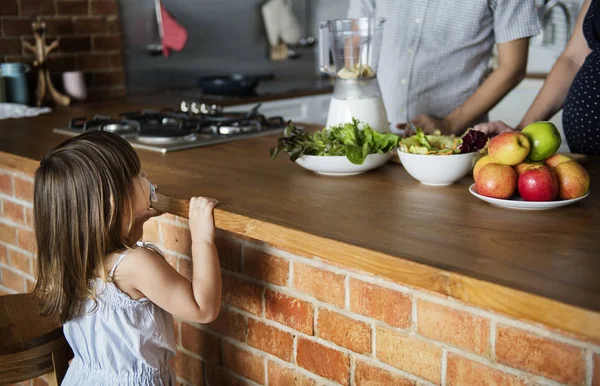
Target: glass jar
15	81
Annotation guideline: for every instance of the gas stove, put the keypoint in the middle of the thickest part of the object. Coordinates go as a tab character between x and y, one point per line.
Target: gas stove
193	125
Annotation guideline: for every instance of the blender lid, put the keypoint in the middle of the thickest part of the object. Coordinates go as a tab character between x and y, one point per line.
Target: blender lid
353	21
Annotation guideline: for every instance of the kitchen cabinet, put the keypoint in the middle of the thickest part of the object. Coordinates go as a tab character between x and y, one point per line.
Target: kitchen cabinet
514	106
310	109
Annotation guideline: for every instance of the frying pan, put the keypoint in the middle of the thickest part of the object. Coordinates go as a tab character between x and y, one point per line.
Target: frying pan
233	85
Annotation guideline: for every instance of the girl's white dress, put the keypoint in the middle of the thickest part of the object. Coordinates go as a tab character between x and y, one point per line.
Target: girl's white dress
124	342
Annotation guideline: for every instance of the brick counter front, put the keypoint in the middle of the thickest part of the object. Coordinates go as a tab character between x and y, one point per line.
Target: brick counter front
299	320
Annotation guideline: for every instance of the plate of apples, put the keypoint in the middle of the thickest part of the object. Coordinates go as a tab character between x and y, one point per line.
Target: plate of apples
523	171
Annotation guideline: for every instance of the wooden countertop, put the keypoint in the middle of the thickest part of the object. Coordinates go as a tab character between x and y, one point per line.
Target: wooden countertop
539	266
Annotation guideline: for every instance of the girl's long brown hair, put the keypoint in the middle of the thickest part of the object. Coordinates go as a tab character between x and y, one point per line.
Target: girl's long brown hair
81	191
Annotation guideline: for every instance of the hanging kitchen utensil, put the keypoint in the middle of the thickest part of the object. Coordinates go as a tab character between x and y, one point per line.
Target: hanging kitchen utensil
289	27
172	35
283	29
156	49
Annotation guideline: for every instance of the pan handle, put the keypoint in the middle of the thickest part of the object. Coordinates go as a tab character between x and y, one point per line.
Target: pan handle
156	49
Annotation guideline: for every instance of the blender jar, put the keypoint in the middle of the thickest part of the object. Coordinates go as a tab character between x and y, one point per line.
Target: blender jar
355	45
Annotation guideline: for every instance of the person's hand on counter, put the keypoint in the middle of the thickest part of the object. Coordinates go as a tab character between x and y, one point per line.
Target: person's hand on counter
201	219
428	124
493	128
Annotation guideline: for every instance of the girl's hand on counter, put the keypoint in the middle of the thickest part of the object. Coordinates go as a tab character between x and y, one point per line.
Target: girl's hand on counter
201	220
493	128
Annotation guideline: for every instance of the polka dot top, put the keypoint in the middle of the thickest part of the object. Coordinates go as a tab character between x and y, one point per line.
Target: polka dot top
581	115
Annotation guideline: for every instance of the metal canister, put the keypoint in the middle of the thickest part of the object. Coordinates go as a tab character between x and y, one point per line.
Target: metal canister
15	82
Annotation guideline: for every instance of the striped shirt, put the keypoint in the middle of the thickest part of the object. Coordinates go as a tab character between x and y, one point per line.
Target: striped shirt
435	53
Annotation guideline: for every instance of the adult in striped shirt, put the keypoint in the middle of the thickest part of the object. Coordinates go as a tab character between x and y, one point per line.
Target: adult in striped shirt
435	55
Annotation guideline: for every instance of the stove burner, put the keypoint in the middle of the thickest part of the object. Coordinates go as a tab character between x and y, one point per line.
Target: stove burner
105	123
121	127
230	127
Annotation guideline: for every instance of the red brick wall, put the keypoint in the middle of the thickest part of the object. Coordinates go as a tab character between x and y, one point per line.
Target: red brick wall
90	39
293	320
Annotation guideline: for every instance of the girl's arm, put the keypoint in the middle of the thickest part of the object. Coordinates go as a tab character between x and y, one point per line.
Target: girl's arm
197	301
552	95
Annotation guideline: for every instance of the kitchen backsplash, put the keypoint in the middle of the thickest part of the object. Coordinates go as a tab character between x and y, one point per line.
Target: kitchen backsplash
224	36
90	39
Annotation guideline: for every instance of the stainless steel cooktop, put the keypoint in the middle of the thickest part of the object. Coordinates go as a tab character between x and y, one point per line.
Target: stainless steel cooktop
193	125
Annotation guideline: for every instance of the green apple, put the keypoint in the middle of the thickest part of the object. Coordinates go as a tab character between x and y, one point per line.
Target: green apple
544	138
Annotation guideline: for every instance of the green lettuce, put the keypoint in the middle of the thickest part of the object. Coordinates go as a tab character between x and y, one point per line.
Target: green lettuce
349	140
430	144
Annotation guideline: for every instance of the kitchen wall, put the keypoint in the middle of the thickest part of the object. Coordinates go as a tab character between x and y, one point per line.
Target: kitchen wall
90	40
224	36
542	55
228	36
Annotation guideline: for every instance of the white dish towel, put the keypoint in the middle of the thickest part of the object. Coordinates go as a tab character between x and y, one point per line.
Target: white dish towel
15	110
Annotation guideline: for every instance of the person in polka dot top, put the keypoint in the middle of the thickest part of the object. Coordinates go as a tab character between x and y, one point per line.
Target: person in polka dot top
574	85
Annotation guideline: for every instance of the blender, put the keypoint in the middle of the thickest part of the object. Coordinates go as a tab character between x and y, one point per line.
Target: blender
355	45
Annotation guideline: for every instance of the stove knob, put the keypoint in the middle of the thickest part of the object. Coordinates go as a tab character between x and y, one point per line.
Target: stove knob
194	108
184	107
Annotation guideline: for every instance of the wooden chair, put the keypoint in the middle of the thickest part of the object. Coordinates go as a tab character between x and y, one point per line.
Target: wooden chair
30	344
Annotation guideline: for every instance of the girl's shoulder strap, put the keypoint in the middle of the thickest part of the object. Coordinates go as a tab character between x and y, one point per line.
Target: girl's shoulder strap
140	244
153	247
119	260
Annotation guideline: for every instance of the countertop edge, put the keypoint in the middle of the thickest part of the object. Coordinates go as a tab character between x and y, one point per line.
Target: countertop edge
490	296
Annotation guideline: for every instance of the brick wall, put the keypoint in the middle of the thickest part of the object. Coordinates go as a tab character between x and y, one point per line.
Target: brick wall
90	40
295	320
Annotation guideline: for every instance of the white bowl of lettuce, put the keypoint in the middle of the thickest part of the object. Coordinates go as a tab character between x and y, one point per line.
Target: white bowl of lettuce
342	150
440	160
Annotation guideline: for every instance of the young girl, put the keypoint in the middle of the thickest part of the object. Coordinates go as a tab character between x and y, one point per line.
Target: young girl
115	295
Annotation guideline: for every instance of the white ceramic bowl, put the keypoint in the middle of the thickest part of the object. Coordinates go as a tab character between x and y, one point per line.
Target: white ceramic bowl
339	165
437	170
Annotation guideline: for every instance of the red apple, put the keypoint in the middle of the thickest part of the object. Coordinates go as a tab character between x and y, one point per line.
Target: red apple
538	183
524	166
573	180
510	148
497	181
556	160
